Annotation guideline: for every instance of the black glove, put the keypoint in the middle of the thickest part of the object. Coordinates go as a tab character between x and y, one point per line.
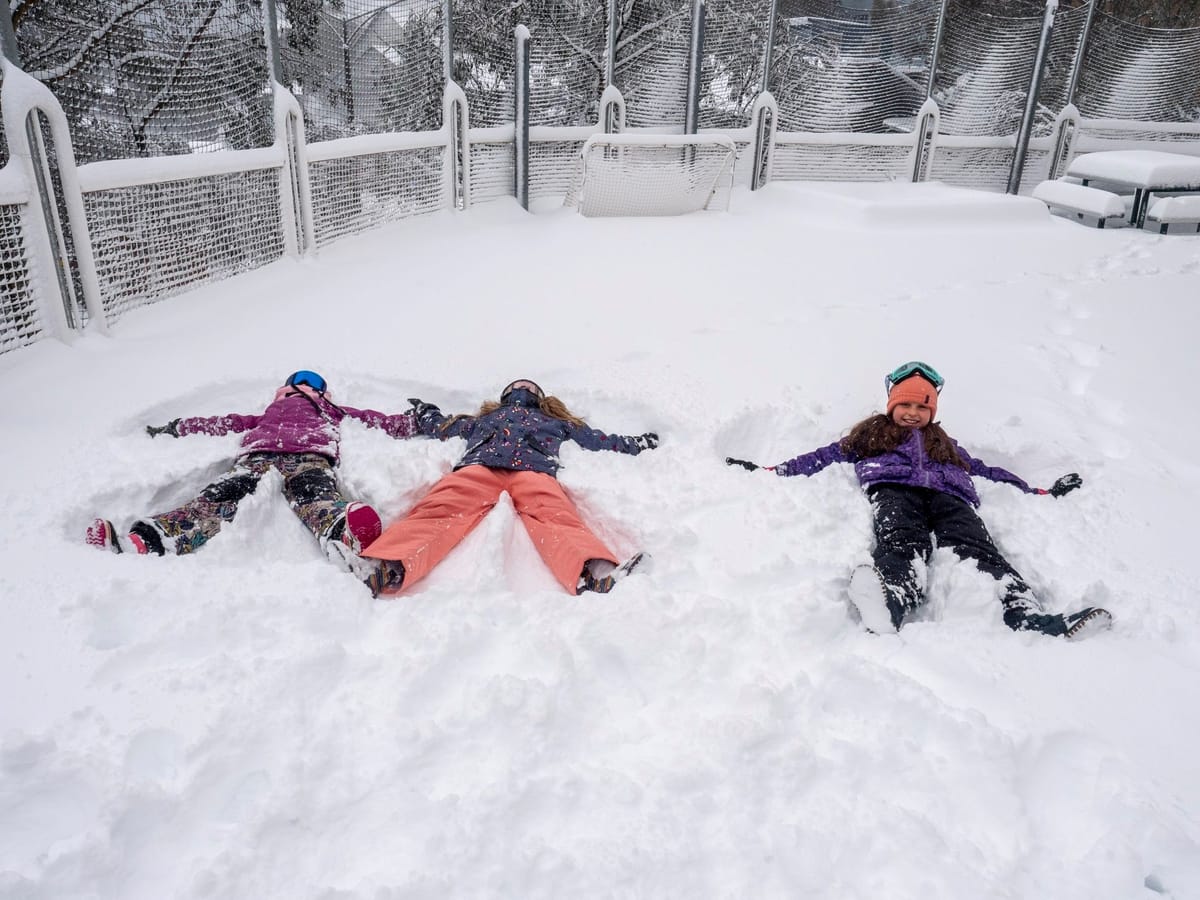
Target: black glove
647	441
1065	485
420	408
744	463
171	428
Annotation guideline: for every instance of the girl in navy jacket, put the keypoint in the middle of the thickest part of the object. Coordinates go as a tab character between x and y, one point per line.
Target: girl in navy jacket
512	446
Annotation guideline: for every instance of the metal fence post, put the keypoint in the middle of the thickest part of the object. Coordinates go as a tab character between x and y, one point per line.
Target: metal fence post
52	239
458	146
1077	68
927	118
271	30
1068	118
610	42
769	51
607	120
8	37
935	56
691	114
58	226
765	115
448	39
1035	88
521	106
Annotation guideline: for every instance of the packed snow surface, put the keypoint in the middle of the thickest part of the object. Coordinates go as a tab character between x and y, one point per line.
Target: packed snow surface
246	722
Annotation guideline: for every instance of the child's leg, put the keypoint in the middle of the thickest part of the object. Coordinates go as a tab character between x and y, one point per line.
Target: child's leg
957	525
438	522
190	526
901	538
559	534
311	488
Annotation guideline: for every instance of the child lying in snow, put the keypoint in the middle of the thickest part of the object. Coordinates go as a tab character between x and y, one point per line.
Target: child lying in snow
298	435
511	446
918	480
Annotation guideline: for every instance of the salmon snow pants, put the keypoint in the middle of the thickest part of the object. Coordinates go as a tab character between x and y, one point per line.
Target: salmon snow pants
459	502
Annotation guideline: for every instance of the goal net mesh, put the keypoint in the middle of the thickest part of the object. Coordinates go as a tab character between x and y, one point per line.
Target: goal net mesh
652	175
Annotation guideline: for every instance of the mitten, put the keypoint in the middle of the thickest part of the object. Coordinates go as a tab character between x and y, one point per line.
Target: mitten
1065	485
744	463
647	441
420	408
171	428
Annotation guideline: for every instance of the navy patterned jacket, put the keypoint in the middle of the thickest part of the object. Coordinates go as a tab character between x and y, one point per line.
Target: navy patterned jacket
518	436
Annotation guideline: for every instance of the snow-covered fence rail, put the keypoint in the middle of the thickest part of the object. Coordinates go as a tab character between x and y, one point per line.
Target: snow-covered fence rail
295	124
162	225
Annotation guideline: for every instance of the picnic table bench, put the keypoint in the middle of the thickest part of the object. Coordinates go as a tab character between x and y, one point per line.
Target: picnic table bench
1168	211
1081	201
1142	172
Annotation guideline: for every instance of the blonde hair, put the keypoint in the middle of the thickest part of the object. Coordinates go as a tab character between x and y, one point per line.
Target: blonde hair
550	406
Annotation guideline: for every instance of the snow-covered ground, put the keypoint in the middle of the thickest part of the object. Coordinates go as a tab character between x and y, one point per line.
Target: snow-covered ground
247	722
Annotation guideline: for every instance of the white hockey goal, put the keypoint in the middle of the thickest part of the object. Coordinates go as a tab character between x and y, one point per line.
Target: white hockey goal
653	174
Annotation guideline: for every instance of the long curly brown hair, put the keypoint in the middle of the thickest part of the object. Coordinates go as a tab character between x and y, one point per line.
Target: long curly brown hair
549	405
878	434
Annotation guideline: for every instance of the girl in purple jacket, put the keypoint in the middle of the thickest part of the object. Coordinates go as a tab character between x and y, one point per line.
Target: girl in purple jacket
299	436
919	483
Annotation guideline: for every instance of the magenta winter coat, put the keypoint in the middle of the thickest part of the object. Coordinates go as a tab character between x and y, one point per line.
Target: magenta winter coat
299	421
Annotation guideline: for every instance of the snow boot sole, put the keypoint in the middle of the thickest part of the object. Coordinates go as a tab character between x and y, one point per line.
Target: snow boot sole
102	535
868	595
1087	623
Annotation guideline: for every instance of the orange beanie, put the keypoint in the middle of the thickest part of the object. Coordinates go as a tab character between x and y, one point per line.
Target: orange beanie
914	389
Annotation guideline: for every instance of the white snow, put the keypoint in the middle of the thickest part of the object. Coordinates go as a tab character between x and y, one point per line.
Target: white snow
1151	168
1176	209
246	722
119	173
1078	197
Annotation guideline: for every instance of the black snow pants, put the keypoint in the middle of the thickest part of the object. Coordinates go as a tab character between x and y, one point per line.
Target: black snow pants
907	519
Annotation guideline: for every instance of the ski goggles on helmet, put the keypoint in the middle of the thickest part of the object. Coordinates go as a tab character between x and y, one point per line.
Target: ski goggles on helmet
312	379
908	370
523	384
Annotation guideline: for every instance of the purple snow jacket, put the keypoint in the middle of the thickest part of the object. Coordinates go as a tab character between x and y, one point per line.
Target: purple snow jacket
518	436
909	465
298	421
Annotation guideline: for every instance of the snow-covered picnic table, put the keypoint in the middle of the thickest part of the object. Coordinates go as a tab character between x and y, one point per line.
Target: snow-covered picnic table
1144	172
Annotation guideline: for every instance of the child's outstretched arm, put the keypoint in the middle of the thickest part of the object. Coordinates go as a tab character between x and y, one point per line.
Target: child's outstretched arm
402	425
594	439
211	425
432	422
804	464
1064	485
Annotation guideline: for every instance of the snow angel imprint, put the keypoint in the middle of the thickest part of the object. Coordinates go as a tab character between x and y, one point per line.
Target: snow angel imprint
512	446
298	435
919	483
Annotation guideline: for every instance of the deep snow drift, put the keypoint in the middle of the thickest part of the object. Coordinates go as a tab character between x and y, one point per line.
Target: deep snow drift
247	722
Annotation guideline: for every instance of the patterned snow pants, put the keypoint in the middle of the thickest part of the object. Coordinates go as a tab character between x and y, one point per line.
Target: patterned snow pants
309	484
906	520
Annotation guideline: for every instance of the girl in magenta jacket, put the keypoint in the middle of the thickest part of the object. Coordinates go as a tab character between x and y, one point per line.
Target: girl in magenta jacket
919	483
298	435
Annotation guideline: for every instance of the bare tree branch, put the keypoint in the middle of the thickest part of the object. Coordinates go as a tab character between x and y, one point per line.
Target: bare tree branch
160	98
123	12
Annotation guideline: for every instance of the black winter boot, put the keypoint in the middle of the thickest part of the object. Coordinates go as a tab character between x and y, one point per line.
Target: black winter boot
1088	622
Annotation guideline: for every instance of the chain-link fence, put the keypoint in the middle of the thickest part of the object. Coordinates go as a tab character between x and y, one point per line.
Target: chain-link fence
144	78
293	123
